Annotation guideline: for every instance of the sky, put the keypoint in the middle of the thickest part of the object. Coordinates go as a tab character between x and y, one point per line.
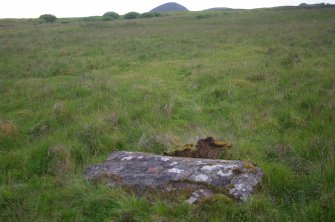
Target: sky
81	8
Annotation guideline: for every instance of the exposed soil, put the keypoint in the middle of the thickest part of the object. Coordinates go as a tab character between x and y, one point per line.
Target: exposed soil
208	148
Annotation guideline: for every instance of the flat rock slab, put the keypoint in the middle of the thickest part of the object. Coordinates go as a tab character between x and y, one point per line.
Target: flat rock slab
144	172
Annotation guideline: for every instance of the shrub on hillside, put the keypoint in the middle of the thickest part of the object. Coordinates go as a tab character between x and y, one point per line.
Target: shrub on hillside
150	15
48	18
106	18
203	16
111	15
131	15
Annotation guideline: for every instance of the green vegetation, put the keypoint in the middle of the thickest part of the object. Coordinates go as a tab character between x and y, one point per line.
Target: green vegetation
131	15
73	93
150	15
48	18
111	15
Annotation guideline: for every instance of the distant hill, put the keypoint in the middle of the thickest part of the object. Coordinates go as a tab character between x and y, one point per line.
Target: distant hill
306	6
319	5
169	7
218	9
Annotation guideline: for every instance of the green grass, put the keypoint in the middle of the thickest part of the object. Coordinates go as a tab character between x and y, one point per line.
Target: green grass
75	92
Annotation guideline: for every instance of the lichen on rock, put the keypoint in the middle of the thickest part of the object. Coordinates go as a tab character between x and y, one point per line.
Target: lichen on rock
143	172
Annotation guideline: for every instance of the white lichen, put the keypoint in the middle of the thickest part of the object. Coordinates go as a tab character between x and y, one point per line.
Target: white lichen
238	186
140	157
127	158
165	159
229	173
175	170
211	167
201	178
174	163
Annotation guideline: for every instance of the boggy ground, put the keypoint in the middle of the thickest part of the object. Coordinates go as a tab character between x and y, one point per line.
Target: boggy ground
70	94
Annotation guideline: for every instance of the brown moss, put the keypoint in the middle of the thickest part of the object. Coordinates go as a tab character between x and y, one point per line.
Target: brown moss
8	128
250	166
236	171
187	152
223	144
231	186
207	148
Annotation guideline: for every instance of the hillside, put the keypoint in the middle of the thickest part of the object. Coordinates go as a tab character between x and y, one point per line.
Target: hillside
74	91
169	7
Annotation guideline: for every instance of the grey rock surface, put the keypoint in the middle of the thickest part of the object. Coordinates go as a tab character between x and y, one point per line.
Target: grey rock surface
143	172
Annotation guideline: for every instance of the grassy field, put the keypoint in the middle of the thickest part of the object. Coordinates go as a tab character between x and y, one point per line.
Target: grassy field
71	94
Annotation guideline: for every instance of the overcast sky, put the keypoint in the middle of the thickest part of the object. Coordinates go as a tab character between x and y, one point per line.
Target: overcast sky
78	8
